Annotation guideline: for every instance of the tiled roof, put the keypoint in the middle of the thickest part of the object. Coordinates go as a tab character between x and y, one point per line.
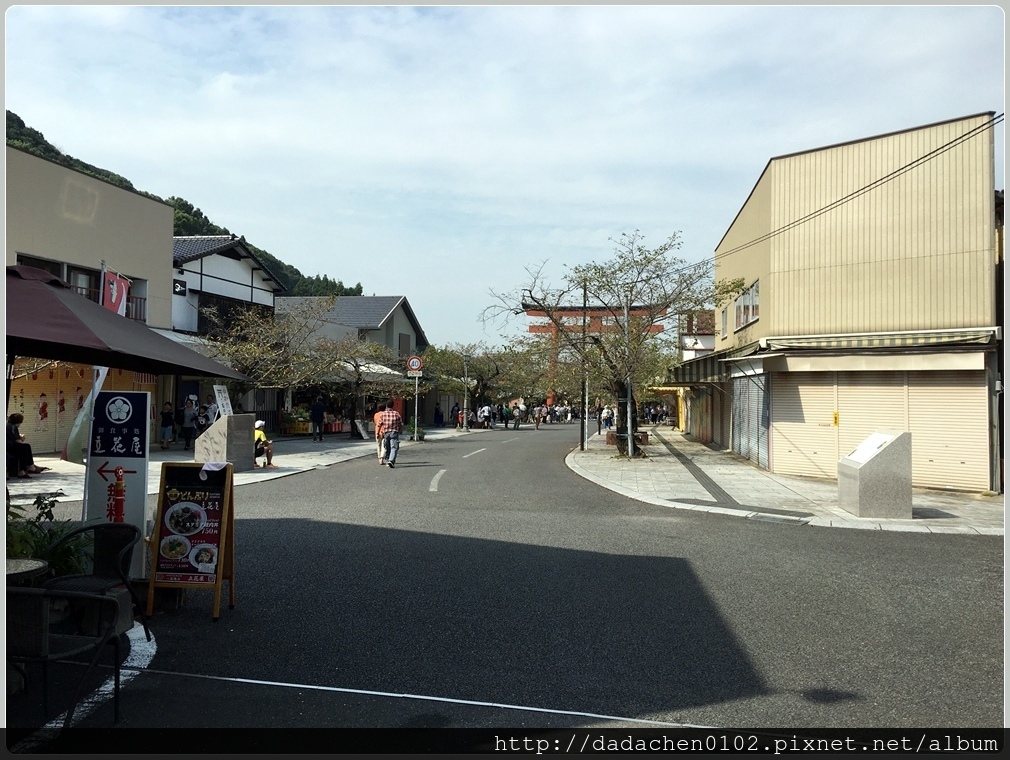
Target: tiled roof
365	312
195	246
192	247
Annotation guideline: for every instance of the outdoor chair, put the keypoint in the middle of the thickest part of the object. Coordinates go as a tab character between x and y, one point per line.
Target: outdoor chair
35	635
111	551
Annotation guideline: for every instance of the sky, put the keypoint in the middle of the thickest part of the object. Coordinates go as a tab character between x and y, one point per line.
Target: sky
438	152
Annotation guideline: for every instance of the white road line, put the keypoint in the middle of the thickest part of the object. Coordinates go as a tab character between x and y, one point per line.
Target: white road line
510	440
422	697
473	452
141	654
434	480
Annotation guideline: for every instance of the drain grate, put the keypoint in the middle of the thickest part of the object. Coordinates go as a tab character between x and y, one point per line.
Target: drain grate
777	519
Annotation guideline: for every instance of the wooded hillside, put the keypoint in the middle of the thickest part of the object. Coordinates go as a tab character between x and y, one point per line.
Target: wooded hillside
189	220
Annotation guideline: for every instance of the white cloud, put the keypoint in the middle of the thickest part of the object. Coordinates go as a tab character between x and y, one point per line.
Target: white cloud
403	147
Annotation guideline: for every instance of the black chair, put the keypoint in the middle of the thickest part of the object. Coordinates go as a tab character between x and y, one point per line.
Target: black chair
111	551
35	636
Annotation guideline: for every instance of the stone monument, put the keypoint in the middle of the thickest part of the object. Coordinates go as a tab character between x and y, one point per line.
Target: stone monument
875	479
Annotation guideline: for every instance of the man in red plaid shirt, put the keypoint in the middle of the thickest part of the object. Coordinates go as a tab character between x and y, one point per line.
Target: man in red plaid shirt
389	428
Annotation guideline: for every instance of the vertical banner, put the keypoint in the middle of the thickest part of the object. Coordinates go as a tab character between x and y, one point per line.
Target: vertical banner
115	481
114	290
223	400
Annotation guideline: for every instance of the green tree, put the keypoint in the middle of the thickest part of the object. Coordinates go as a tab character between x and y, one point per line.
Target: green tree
362	368
639	289
188	219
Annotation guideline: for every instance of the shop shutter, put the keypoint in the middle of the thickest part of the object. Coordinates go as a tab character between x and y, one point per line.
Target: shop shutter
759	394
750	418
723	426
741	397
948	416
803	438
869	401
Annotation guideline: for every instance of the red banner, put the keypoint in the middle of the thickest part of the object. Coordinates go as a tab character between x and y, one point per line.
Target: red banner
114	290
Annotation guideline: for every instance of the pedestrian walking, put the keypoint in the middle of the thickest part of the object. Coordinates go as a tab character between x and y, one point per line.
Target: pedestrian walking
202	420
189	415
380	446
167	425
317	416
212	409
390	425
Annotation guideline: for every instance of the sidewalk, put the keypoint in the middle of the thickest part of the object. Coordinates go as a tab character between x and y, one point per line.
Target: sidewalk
681	473
678	473
291	455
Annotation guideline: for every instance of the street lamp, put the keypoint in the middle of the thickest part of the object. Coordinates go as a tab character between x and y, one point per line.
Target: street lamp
466	393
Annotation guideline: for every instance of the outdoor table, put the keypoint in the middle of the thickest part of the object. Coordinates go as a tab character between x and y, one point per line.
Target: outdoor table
21	570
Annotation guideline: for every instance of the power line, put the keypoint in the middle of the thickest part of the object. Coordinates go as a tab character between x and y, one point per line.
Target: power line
923	159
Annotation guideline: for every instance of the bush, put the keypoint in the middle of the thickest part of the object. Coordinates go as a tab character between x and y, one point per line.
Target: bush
409	429
31	537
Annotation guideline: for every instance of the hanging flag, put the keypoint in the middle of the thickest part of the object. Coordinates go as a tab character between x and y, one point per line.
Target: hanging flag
114	290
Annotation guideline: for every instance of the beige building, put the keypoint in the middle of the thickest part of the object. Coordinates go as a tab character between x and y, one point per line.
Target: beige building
870	300
69	223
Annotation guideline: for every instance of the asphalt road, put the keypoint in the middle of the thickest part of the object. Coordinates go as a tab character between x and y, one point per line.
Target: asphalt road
482	584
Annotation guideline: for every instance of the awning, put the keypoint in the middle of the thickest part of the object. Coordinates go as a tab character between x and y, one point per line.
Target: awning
708	369
912	339
46	319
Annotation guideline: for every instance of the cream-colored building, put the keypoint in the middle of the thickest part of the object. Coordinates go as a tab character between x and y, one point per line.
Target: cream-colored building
870	301
69	223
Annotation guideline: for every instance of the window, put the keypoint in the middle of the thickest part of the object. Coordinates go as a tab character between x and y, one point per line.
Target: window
53	267
747	307
725	322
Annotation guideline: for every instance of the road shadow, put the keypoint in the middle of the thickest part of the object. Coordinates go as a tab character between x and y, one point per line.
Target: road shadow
398	611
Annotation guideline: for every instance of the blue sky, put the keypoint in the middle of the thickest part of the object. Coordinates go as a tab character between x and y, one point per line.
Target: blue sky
436	152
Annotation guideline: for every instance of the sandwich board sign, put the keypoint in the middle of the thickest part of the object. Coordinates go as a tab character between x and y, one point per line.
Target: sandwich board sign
193	542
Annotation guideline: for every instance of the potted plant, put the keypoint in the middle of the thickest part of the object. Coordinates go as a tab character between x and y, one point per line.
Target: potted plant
31	536
410	428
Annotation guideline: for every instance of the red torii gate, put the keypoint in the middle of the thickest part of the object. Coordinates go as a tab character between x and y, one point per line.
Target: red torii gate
597	321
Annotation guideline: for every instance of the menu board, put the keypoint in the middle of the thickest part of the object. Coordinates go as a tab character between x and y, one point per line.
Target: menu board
193	541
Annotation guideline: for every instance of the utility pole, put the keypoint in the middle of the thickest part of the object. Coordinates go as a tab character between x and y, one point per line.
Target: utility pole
627	389
585	371
466	393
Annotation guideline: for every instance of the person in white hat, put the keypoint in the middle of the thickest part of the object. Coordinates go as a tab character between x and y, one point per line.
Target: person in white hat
264	447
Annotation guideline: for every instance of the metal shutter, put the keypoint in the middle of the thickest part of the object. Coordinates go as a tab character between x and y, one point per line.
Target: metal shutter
948	415
741	396
869	401
803	438
761	418
750	418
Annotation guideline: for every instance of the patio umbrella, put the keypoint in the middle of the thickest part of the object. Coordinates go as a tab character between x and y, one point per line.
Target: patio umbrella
46	319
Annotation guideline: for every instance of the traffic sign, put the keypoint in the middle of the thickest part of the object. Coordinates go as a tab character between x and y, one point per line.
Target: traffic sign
414	373
414	363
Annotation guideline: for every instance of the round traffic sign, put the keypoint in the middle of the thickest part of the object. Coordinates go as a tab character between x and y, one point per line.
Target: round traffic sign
414	363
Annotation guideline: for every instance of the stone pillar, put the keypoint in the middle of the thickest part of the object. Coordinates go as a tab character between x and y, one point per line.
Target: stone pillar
230	439
875	479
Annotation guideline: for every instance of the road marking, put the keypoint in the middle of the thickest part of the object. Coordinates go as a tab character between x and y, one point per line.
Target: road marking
141	654
434	480
510	440
473	452
423	697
